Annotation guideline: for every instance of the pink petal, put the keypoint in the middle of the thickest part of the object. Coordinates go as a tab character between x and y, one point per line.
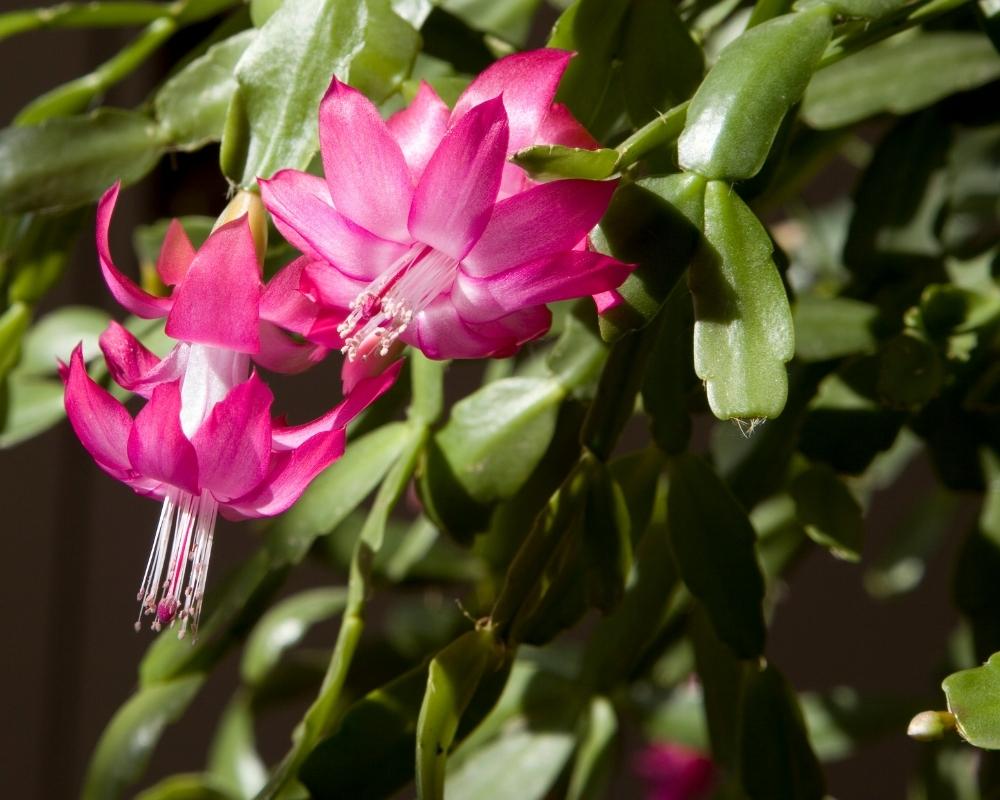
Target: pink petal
280	353
528	82
365	169
605	301
363	395
538	223
303	211
234	443
157	447
101	423
135	368
419	127
570	274
456	194
291	471
329	286
139	302
370	363
560	127
440	332
176	254
283	302
219	301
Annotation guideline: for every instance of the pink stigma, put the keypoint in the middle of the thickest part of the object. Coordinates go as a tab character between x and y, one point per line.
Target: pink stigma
165	611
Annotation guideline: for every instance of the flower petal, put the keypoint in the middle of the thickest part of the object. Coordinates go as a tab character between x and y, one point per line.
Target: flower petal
560	127
126	292
176	254
440	332
528	82
329	286
538	223
157	447
219	301
291	471
303	211
280	353
363	395
365	169
101	423
456	194
369	362
419	127
284	303
570	274
135	368
234	443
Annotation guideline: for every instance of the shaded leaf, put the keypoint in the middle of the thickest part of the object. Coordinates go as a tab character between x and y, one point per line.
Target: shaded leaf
777	760
192	105
127	743
71	161
833	327
56	334
901	75
828	511
714	543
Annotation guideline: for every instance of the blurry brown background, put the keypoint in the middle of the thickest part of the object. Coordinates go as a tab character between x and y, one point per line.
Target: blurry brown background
74	541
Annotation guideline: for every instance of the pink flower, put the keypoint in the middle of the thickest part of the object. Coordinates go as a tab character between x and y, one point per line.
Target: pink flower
423	231
674	772
204	443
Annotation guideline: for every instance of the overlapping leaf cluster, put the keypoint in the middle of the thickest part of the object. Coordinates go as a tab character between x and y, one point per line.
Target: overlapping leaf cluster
597	571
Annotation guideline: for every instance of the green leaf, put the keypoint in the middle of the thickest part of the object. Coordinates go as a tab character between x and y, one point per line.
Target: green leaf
649	224
521	765
898	76
192	105
71	161
549	161
233	761
286	69
33	405
508	19
56	334
670	376
590	87
777	760
743	332
496	436
127	743
829	512
338	490
370	754
283	626
866	9
714	543
39	253
974	698
911	373
13	324
185	787
972	220
833	327
735	115
592	766
452	678
662	65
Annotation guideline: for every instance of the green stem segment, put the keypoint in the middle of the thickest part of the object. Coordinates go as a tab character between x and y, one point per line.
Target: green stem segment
907	17
662	130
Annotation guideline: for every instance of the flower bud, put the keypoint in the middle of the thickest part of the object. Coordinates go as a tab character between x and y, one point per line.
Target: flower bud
929	726
248	204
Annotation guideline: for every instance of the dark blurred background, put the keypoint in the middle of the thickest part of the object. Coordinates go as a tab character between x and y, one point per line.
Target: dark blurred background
74	541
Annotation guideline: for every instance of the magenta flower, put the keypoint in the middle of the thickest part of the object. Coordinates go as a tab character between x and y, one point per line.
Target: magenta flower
204	443
674	772
422	230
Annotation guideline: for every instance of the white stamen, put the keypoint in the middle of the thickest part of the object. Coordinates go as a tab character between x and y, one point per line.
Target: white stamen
387	305
173	589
